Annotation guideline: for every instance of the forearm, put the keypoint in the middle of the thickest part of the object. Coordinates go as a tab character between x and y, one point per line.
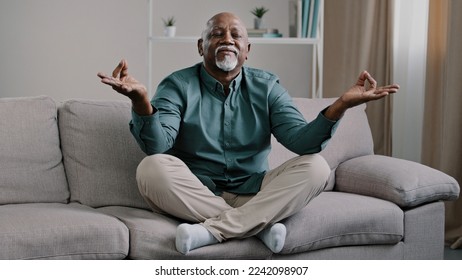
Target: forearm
336	110
142	106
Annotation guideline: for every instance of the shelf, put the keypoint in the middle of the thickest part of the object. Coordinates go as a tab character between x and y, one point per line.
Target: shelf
314	46
285	41
252	40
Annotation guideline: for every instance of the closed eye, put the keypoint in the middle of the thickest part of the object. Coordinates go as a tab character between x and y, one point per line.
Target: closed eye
217	34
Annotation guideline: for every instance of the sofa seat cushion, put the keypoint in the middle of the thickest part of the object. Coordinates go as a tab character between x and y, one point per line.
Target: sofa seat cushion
100	154
152	236
30	159
60	231
335	219
332	219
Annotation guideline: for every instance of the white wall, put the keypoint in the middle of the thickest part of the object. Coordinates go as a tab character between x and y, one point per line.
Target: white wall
56	47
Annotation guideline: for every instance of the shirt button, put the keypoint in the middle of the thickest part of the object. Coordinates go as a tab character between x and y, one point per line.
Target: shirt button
226	123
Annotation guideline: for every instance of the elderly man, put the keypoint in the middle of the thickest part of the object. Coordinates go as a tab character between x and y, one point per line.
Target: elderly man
207	134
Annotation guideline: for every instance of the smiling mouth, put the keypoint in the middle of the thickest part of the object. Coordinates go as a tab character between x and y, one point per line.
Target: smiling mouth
226	50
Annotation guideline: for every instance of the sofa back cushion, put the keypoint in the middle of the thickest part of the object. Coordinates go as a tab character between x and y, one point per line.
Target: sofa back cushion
352	138
100	154
30	157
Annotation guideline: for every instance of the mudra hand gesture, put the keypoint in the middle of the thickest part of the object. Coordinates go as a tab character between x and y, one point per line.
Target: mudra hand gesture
125	84
358	94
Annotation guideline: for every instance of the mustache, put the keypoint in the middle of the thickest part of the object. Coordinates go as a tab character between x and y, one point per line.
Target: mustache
227	48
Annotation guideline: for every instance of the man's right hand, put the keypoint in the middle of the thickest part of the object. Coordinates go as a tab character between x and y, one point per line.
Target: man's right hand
125	84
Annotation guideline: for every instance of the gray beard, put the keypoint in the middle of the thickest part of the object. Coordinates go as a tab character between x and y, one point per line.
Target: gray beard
227	64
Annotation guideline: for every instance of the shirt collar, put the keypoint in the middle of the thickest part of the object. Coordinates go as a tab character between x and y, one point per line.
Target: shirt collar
214	85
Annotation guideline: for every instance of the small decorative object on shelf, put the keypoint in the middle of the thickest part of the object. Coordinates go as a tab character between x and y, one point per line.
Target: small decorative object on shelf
259	12
265	33
169	27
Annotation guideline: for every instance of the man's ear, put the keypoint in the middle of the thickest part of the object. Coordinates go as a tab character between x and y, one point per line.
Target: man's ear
200	47
248	50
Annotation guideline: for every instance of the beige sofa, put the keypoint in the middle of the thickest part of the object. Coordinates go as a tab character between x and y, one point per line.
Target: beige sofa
68	191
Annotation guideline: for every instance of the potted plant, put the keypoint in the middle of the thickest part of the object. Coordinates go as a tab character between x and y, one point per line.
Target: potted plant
169	27
258	12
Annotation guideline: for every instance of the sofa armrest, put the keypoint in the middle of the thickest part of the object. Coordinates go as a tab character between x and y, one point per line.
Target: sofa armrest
403	182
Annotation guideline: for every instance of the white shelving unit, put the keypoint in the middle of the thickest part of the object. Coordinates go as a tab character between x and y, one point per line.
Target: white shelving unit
316	43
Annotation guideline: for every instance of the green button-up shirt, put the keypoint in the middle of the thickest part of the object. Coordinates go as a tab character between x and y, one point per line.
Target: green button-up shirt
225	140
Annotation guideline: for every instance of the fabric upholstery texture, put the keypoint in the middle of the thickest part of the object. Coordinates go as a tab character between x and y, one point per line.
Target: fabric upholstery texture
31	168
60	231
403	182
336	219
425	232
152	236
100	154
330	220
359	252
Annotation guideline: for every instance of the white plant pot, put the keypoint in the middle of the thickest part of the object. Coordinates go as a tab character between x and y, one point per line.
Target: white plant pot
258	23
169	31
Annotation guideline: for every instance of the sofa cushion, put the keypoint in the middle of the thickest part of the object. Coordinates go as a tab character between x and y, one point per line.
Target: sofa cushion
152	236
403	182
31	161
332	219
60	231
335	219
100	154
351	139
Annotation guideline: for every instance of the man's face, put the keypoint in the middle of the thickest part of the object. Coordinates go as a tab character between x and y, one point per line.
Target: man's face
224	44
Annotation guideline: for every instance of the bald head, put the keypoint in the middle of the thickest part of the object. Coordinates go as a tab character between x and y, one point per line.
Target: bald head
224	16
224	45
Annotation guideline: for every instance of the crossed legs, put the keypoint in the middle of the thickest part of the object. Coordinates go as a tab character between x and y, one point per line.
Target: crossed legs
169	186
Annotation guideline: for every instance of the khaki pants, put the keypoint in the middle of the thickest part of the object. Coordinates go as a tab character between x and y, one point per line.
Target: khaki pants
168	186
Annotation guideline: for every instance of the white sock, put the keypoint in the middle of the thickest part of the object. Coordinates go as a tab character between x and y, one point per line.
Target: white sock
190	237
274	237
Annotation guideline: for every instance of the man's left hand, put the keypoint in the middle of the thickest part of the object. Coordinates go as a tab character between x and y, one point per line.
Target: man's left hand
363	91
360	93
